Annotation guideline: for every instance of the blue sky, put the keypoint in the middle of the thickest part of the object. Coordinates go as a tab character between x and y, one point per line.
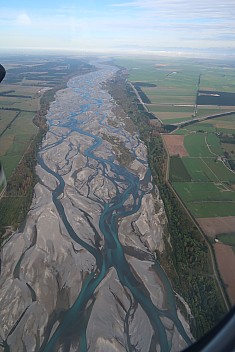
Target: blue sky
116	25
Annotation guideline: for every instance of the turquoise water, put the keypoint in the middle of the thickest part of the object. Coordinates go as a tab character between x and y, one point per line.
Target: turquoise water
112	254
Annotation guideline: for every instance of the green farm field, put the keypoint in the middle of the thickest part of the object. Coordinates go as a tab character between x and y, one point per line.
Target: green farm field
213	209
173	115
29	104
17	131
18	105
197	127
195	144
6	117
171	108
18	89
211	179
198	170
205	110
214	144
227	238
223	80
177	82
15	141
178	171
176	120
222	172
203	191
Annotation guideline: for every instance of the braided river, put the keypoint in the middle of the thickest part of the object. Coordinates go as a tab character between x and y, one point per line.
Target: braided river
85	266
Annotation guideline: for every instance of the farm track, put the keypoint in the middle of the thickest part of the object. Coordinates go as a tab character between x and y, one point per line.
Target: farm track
217	156
219	181
209	147
212	255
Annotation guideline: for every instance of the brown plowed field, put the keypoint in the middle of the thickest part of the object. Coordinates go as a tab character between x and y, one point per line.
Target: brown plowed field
214	226
226	262
175	144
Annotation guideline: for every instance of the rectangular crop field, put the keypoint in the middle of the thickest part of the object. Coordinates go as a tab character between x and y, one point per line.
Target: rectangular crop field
220	170
6	117
24	124
9	162
15	141
199	127
172	115
198	170
178	171
171	108
18	89
196	145
175	120
181	131
208	191
218	79
208	209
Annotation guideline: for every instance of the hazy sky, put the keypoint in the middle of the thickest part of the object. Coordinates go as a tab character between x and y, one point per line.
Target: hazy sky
117	25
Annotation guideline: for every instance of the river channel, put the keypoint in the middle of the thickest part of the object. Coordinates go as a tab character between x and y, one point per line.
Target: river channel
79	126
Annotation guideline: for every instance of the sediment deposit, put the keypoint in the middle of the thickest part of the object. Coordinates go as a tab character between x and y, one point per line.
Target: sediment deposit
83	274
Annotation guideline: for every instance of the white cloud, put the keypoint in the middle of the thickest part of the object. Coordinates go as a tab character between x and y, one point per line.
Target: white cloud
158	23
182	8
23	19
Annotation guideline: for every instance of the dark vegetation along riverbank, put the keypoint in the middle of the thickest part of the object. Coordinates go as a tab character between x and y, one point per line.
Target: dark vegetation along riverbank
17	198
186	258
